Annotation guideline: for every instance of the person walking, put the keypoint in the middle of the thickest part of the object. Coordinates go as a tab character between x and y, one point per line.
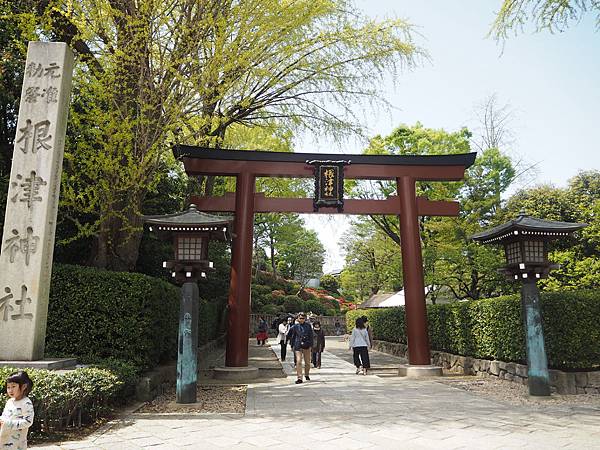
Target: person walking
301	335
262	332
318	344
369	331
338	327
359	343
283	329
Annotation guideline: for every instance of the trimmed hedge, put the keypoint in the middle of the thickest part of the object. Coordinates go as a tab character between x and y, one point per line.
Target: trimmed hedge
209	320
493	328
71	398
97	314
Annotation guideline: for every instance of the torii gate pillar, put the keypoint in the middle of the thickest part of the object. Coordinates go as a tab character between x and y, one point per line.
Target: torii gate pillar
236	354
412	269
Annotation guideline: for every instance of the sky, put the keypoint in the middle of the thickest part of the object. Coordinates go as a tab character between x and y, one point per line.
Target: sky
551	82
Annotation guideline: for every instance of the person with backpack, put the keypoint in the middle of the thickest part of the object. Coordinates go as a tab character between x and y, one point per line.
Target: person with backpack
318	344
301	337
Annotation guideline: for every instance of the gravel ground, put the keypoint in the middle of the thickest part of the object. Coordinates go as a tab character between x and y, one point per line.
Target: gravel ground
518	394
223	399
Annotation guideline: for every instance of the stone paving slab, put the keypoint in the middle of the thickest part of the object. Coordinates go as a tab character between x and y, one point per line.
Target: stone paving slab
339	410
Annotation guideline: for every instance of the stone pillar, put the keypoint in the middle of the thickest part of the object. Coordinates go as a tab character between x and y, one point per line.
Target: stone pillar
187	347
538	378
238	313
412	269
30	221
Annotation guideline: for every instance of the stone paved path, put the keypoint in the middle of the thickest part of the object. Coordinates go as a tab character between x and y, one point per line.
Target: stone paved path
340	410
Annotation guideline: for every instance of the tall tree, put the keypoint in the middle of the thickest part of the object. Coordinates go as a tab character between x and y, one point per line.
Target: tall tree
300	254
450	259
372	261
156	71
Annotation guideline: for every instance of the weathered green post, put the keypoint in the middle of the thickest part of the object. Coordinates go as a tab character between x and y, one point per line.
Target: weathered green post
191	231
525	241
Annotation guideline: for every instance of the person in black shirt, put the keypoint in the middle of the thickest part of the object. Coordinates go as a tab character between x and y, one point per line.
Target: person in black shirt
301	337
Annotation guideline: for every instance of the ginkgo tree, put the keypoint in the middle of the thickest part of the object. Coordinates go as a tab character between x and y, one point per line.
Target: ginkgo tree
154	72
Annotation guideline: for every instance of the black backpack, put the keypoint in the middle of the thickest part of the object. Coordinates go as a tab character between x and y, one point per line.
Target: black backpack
305	339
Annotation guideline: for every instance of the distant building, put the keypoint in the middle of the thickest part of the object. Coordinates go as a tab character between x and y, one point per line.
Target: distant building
314	283
386	300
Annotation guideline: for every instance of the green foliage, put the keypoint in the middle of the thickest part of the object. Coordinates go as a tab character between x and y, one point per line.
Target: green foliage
329	283
297	262
271	309
314	306
388	324
138	88
493	328
452	262
58	398
210	315
550	15
372	262
293	304
99	314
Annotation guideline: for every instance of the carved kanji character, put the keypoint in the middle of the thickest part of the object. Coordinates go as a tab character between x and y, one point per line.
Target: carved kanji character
21	303
29	190
29	244
51	95
51	70
35	137
34	70
31	94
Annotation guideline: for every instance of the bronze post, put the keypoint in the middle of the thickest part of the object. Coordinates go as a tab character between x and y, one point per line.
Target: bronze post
412	269
241	272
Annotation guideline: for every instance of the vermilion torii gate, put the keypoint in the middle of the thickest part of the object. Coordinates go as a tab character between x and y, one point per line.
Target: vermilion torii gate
246	166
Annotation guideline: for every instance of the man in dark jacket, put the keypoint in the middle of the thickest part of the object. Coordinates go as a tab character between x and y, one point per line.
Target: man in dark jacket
301	337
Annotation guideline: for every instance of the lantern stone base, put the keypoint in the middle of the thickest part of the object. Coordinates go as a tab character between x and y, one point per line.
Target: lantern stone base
235	373
415	371
47	363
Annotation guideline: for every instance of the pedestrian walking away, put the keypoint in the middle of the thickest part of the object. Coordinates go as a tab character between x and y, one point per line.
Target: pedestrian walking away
359	343
301	335
318	344
283	329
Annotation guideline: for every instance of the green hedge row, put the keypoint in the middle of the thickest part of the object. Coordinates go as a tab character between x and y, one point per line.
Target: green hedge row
71	398
97	314
493	328
210	320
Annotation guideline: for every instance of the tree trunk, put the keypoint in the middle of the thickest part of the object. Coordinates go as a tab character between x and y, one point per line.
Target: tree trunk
118	243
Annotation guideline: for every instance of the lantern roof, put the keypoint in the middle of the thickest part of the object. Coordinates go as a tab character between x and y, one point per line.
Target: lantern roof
528	226
191	220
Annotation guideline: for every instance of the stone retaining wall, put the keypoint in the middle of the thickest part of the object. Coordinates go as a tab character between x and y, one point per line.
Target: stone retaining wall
561	382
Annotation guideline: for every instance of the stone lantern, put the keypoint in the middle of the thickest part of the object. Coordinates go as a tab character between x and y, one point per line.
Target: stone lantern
525	240
191	232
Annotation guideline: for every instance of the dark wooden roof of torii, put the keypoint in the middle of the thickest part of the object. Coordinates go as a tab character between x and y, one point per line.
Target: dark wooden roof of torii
208	161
